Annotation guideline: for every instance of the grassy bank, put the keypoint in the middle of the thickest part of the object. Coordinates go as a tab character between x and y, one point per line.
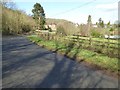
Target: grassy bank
15	21
69	49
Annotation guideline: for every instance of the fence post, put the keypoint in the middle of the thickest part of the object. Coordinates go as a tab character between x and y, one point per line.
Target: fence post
48	36
90	41
108	45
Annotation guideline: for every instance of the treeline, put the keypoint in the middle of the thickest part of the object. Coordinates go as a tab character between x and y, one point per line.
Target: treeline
97	30
15	21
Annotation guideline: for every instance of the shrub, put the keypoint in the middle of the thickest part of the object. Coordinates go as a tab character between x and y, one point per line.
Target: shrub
60	31
25	28
96	34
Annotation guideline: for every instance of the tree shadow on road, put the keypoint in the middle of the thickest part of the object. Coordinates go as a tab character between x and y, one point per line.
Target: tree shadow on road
45	69
67	73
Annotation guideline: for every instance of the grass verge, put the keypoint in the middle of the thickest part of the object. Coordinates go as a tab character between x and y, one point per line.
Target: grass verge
78	53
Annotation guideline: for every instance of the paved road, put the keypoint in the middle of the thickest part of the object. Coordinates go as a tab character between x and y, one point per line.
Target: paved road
28	65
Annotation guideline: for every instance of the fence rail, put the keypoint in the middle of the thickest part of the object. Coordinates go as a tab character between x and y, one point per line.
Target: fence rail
108	48
104	47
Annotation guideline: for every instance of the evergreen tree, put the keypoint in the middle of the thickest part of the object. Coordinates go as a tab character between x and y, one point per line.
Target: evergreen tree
108	24
39	15
96	23
89	25
89	19
100	20
102	24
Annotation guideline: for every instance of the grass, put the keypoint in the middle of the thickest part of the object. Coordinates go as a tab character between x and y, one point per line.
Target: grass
102	41
97	39
99	45
78	53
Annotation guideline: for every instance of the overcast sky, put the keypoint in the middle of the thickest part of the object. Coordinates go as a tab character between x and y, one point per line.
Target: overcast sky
74	10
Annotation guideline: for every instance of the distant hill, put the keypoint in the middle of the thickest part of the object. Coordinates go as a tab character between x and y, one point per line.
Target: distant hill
68	26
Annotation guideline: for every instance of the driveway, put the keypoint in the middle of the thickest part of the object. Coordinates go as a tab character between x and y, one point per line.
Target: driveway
26	65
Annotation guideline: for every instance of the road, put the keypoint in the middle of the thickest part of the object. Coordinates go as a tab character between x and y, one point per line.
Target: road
26	65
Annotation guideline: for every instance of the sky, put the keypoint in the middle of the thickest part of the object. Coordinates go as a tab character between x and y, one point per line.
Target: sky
76	11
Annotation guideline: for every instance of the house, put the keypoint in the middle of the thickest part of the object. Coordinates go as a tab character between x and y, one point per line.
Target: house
94	25
105	26
51	26
46	26
76	24
114	35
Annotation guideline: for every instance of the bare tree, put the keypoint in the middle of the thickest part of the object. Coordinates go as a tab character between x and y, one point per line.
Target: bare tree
9	4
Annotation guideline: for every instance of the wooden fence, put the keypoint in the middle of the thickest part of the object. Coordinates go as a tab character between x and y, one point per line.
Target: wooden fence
107	48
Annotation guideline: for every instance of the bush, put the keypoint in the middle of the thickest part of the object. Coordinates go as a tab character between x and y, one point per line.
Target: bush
96	34
61	31
26	28
111	29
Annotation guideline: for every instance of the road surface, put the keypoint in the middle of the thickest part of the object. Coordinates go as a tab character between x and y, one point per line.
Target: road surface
26	65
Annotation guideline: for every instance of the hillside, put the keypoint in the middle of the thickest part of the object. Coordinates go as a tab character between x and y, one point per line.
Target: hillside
15	21
68	26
